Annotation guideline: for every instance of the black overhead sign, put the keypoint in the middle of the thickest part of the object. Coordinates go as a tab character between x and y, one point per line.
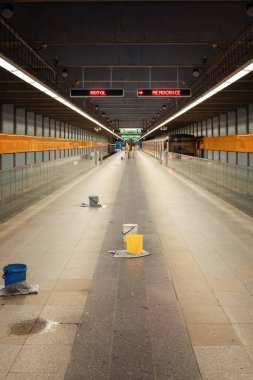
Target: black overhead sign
95	92
164	92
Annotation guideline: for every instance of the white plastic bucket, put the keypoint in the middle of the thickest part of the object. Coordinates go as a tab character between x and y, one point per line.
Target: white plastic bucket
129	229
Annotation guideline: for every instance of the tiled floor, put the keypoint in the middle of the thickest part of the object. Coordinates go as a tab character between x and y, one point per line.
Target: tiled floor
140	316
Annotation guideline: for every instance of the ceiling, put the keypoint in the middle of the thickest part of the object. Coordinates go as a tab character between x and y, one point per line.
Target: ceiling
128	45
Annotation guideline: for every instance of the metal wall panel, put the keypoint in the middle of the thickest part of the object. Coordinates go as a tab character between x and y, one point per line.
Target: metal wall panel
52	128
52	155
57	129
231	123
216	129
7	118
38	157
30	120
232	158
204	128
242	159
39	125
62	127
46	126
251	160
216	155
223	124
242	121
223	156
250	110
7	161
46	155
30	158
20	159
20	121
209	127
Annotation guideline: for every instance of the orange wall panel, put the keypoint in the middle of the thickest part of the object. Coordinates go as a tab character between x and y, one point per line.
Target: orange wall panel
23	143
235	143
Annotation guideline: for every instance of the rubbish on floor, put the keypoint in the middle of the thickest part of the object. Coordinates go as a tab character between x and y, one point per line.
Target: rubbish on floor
129	229
93	200
18	289
14	273
124	253
134	243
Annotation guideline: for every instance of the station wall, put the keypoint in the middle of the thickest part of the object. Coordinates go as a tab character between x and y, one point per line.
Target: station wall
16	120
235	122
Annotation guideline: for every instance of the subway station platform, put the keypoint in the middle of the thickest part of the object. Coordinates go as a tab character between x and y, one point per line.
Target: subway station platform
183	313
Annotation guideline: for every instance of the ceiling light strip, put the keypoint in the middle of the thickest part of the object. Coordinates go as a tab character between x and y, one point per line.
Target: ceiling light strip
41	87
246	69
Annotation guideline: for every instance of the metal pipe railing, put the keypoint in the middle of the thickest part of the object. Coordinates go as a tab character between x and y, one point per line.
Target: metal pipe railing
14	47
239	51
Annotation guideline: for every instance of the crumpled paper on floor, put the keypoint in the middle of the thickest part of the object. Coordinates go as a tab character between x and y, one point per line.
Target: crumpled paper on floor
124	253
18	289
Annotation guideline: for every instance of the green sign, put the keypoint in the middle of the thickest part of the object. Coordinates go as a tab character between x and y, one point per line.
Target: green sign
130	131
132	137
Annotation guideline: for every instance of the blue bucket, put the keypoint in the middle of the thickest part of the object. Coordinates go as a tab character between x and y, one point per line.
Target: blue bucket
14	273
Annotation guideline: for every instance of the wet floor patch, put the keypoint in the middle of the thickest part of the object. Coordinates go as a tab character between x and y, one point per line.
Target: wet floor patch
32	326
22	328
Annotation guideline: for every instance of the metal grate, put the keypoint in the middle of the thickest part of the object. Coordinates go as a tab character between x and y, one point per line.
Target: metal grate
239	51
14	47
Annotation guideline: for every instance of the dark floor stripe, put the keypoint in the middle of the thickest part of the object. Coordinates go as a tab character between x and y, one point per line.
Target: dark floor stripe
132	327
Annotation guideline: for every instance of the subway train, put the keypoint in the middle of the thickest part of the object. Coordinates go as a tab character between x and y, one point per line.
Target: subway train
177	143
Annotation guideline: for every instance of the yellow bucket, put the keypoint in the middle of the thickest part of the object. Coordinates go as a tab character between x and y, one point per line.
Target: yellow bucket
134	244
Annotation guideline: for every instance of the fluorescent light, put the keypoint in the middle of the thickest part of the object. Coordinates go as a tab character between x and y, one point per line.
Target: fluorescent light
23	76
225	83
249	67
33	82
237	76
6	65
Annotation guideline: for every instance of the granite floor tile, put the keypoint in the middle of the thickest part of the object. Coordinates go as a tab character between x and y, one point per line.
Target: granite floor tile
249	350
33	299
233	285
187	273
234	299
197	298
229	376
245	333
43	359
11	314
45	282
52	333
35	376
14	335
64	284
62	313
9	353
223	359
74	298
199	285
215	334
239	314
204	314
